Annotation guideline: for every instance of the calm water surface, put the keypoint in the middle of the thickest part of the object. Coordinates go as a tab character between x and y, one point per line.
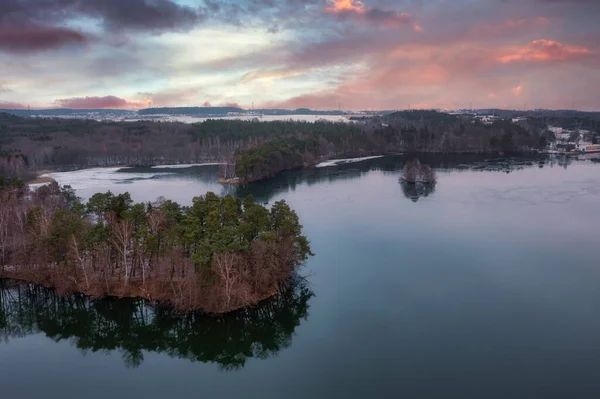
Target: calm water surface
487	286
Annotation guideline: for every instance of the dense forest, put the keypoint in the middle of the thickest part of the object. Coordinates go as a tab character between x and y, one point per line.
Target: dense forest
29	145
218	254
408	131
255	150
134	327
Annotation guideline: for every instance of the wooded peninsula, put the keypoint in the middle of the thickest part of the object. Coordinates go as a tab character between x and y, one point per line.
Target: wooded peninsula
255	150
217	255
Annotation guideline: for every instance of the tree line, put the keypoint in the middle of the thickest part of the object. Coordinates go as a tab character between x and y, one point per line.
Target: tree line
261	148
31	144
218	254
409	131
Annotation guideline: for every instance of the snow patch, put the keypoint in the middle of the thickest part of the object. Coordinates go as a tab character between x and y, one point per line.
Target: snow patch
88	178
185	166
336	162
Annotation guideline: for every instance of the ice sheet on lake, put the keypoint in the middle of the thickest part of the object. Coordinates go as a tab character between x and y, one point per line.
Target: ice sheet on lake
185	166
87	178
335	162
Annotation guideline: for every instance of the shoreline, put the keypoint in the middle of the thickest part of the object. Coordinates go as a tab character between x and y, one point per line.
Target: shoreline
153	292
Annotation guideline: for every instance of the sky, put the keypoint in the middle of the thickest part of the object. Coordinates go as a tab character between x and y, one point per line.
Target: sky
320	54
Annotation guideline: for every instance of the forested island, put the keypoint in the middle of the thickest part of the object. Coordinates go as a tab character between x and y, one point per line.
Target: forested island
416	173
255	150
217	255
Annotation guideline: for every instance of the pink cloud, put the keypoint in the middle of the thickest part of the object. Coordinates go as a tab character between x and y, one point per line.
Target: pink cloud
545	51
170	98
11	105
345	5
356	9
106	102
517	90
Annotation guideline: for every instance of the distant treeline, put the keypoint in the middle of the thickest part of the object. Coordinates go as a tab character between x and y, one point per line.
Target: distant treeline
29	144
195	111
408	131
217	255
64	112
221	111
558	115
262	148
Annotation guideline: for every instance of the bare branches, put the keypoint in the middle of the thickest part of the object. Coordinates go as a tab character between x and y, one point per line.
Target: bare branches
413	172
220	254
122	236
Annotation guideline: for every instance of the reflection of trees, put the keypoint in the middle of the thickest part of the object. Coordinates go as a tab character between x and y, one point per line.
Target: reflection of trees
263	191
415	191
131	326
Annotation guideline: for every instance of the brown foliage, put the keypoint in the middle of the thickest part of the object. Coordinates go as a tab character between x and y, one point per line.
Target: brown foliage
36	247
414	172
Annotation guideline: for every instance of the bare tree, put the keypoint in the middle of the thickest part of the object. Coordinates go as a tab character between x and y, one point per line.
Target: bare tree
428	175
80	258
122	234
414	172
411	171
225	267
4	233
228	164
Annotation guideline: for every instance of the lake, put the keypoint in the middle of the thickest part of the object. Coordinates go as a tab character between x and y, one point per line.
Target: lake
486	286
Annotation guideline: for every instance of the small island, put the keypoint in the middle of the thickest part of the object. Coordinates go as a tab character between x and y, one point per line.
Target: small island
417	180
217	255
416	173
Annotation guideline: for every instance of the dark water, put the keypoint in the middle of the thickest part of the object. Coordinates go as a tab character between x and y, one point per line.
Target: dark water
487	286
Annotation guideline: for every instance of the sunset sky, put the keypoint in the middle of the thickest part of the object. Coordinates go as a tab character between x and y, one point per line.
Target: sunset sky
371	54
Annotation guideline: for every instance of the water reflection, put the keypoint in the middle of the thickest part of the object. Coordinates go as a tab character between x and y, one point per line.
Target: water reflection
416	191
264	191
152	180
131	326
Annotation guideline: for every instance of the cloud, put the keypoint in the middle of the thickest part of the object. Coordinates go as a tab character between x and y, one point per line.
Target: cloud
318	53
142	15
4	88
517	90
514	27
338	6
31	39
170	98
267	74
11	105
355	9
545	51
107	102
513	23
155	16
